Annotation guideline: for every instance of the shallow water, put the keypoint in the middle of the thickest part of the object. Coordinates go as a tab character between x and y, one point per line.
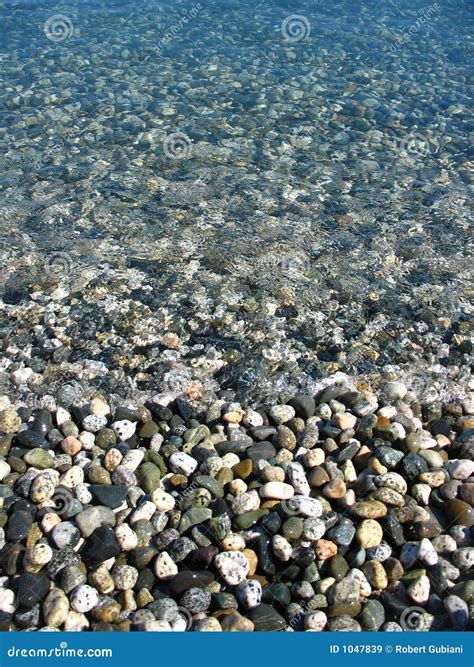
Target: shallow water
284	185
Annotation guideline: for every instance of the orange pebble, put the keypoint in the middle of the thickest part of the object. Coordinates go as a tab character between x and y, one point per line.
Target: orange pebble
325	549
71	445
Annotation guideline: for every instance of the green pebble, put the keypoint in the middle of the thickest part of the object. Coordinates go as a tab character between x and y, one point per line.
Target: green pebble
194	435
292	528
194	516
220	526
105	438
194	498
98	475
266	619
149	477
69	428
5	444
148	430
338	567
157	459
200	535
211	484
311	573
39	458
409	577
248	519
224	476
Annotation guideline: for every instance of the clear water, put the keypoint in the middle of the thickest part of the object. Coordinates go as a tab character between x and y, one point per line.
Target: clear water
285	185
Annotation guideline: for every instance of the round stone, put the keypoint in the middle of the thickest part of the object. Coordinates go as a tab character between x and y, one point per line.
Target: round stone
84	598
182	463
369	533
196	600
233	566
249	593
277	490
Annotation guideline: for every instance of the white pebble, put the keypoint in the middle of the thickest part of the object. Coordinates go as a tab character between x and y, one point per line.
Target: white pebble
84	598
281	548
246	502
7	600
182	463
233	566
126	537
419	590
87	439
315	620
277	490
165	567
124	429
304	506
132	459
144	512
164	502
427	553
249	593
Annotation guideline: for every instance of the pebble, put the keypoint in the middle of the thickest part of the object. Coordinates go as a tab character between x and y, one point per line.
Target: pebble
266	619
315	620
183	463
165	567
277	490
232	566
369	533
419	590
427	553
247	502
281	548
196	600
65	534
305	506
249	593
458	611
218	517
124	429
84	598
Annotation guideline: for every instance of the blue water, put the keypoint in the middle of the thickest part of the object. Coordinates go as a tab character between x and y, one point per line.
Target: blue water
287	180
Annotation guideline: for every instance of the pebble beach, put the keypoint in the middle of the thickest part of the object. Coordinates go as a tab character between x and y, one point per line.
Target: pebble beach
236	389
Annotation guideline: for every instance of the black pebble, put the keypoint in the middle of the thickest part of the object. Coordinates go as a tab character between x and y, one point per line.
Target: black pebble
100	546
31	589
